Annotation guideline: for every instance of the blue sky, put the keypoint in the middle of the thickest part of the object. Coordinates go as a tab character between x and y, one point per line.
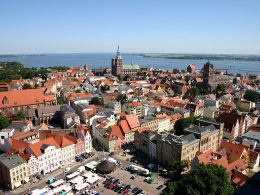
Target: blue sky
187	26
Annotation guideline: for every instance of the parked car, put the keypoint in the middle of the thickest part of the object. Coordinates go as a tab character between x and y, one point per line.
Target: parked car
139	191
135	189
111	186
159	187
125	191
67	169
51	180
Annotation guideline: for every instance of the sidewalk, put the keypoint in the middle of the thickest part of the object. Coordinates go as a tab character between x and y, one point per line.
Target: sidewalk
26	188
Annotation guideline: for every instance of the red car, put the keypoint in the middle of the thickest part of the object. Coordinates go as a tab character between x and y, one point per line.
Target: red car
111	186
125	192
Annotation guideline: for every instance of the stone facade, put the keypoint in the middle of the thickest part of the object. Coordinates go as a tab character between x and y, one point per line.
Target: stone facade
166	147
13	171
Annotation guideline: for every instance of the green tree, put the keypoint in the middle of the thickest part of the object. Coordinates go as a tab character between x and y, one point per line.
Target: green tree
177	167
78	91
96	101
105	87
251	95
139	73
19	115
221	89
207	179
175	71
192	93
4	122
126	77
27	86
183	123
119	77
60	100
234	111
122	98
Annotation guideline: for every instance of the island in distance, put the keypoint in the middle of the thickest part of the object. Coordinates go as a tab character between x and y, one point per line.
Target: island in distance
204	56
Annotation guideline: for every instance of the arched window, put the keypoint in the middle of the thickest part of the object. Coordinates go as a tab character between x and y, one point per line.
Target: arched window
5	100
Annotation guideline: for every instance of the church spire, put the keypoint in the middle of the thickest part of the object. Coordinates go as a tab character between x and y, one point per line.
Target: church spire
118	53
118	49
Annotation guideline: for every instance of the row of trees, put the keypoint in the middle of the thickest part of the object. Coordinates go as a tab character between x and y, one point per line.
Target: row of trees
16	70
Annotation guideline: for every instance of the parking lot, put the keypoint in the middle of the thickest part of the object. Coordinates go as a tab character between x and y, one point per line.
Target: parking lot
125	178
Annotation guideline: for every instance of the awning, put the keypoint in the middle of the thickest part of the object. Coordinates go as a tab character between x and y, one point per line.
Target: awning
79	187
17	184
26	179
78	179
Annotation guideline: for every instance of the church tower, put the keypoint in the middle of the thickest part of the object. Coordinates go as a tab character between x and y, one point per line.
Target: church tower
208	71
117	64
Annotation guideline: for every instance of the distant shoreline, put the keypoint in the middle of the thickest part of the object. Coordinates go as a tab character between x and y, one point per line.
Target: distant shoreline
229	57
19	55
204	57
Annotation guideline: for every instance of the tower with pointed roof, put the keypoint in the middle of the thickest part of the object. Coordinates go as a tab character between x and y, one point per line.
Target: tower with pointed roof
117	64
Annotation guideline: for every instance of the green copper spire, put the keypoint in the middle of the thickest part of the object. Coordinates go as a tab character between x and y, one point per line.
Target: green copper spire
118	56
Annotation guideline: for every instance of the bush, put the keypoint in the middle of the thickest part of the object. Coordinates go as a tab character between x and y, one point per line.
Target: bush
4	122
252	96
183	123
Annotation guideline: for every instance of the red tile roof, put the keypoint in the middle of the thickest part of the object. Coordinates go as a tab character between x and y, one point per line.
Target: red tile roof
233	151
175	117
134	104
25	134
114	132
29	97
61	140
132	121
124	126
212	157
36	147
17	145
239	179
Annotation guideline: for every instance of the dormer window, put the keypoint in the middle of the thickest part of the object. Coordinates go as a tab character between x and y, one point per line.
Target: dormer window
5	100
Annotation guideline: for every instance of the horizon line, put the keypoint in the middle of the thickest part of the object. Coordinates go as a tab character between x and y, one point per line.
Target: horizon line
135	53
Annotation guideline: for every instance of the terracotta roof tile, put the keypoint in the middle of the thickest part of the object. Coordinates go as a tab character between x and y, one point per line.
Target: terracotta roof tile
132	121
114	132
233	150
124	126
36	147
61	140
239	178
30	97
